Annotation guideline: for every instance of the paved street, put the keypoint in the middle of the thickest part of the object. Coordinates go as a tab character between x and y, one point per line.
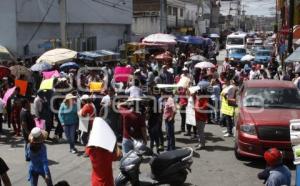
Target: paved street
214	166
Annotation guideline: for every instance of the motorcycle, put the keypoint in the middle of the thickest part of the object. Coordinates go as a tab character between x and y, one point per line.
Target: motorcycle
166	168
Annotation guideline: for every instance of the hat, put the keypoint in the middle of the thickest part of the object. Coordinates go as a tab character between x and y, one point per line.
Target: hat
85	97
185	69
170	70
70	96
273	157
37	135
164	66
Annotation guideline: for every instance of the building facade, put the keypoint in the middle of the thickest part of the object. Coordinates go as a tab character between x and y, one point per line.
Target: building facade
90	25
149	17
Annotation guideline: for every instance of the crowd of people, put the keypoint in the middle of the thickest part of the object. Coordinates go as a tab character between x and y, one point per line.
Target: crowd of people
133	109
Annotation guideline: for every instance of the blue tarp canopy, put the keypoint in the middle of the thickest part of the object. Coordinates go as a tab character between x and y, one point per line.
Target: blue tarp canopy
99	55
195	40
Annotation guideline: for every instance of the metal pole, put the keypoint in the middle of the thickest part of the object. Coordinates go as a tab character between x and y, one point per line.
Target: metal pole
198	17
163	16
291	26
63	22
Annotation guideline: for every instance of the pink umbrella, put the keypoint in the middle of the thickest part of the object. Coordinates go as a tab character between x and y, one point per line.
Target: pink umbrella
8	94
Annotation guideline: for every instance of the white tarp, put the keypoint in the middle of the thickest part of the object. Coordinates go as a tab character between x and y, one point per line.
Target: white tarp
190	112
102	135
84	124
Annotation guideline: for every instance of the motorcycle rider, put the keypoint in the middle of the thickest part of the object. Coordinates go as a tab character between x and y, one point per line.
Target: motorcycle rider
276	174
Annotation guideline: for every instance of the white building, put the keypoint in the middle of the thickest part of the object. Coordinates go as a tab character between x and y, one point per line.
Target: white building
147	17
91	24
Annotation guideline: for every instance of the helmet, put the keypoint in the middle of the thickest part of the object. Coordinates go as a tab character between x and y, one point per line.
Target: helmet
273	157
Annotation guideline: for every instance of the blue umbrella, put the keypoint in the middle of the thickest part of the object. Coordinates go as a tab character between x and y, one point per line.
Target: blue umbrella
69	65
191	40
40	67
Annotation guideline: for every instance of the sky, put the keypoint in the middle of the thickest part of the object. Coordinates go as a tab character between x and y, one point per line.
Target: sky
259	7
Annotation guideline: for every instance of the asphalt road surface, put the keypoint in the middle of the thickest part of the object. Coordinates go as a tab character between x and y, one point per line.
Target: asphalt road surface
214	166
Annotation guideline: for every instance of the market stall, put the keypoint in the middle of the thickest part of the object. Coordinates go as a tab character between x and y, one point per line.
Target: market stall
98	56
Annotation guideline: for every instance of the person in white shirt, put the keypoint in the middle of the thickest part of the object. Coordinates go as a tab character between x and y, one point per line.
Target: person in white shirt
106	100
134	91
254	74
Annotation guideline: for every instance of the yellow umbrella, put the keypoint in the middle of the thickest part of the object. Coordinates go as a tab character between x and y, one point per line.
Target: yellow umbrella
47	84
57	56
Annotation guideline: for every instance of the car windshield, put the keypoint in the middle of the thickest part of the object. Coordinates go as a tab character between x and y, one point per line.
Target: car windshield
272	98
237	50
263	53
235	41
258	48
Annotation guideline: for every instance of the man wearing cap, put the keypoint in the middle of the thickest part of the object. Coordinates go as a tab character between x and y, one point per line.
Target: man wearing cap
276	174
166	76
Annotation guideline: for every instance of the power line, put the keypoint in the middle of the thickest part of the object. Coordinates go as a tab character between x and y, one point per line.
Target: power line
41	23
115	5
109	5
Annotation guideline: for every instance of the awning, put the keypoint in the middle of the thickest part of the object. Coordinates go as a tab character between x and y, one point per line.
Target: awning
5	54
99	55
160	38
294	57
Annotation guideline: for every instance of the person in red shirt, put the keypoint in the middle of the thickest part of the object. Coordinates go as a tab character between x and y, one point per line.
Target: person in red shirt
88	110
134	123
101	159
201	114
183	101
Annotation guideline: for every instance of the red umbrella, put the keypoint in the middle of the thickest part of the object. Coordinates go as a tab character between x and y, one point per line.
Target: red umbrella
164	56
4	71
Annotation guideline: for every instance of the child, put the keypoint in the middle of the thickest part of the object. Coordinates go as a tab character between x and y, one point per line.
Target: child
169	114
37	153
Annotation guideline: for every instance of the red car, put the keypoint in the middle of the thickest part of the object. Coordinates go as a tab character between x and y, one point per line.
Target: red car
262	119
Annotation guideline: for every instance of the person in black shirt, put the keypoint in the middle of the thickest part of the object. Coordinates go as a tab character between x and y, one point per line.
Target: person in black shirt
3	173
27	122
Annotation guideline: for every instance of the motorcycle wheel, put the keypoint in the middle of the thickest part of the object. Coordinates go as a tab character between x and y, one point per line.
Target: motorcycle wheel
181	180
121	180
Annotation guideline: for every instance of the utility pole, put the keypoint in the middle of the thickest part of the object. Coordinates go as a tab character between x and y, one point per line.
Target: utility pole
163	16
291	26
199	5
63	22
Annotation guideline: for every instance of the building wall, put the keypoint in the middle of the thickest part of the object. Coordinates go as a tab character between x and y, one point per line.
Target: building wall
108	36
146	25
78	11
8	25
146	5
84	18
190	12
